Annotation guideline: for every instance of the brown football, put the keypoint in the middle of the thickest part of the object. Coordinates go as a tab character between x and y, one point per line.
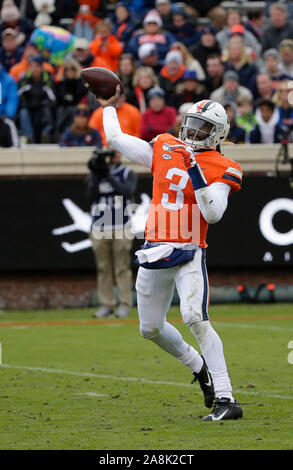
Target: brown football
101	81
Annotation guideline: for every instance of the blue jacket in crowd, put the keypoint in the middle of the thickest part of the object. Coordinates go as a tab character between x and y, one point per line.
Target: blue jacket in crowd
8	94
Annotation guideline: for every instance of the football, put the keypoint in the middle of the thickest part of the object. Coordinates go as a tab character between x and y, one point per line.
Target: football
101	81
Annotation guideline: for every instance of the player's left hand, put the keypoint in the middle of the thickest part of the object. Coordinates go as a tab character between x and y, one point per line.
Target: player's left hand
187	154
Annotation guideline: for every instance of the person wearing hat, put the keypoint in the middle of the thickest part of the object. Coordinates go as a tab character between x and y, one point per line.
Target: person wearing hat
11	18
152	32
188	90
36	103
280	27
272	66
171	73
158	118
286	56
80	134
149	57
84	57
10	52
183	29
206	46
231	89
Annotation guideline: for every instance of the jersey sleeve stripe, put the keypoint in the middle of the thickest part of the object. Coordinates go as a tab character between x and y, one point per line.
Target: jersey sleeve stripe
226	176
234	171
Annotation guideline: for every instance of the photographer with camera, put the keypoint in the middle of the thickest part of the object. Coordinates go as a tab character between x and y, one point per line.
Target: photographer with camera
111	186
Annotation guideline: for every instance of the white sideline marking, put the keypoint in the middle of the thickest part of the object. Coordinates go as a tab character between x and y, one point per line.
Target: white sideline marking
134	379
253	326
93	394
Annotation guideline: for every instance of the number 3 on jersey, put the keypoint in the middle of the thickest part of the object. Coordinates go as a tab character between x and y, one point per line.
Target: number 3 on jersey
184	177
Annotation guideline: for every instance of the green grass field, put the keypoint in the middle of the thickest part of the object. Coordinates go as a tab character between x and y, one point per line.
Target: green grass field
71	382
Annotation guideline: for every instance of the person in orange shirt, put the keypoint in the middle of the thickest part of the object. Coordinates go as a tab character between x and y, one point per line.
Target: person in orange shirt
106	45
128	115
19	69
192	181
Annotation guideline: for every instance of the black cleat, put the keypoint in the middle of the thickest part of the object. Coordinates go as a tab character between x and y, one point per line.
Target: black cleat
224	409
206	384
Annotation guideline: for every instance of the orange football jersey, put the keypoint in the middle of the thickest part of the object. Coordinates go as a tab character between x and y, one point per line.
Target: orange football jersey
174	215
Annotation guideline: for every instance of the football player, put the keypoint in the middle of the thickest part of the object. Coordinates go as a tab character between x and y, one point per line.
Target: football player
191	185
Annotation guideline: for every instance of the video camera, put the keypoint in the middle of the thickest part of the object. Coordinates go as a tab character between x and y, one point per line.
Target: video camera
100	160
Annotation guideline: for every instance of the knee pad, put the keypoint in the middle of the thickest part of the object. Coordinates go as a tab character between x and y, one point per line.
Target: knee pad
148	332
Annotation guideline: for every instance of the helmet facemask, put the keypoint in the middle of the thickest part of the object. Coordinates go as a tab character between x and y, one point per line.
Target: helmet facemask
200	132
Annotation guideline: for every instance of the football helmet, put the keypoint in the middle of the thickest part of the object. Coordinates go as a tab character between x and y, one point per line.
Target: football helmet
205	124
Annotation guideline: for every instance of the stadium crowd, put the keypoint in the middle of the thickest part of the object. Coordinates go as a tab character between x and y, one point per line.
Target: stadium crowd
167	54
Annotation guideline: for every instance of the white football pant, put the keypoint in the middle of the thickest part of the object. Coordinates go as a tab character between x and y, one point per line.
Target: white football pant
155	288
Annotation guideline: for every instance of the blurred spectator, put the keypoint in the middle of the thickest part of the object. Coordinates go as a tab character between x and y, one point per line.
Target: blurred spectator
237	59
255	23
80	134
149	57
10	52
106	45
126	71
69	91
109	180
279	28
164	8
182	29
236	133
231	90
188	60
208	8
151	32
123	25
36	103
272	65
206	46
8	133
189	90
10	18
8	94
181	111
264	87
284	103
84	56
215	73
144	79
286	55
44	9
128	115
267	130
235	28
85	23
19	69
245	114
158	118
171	73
